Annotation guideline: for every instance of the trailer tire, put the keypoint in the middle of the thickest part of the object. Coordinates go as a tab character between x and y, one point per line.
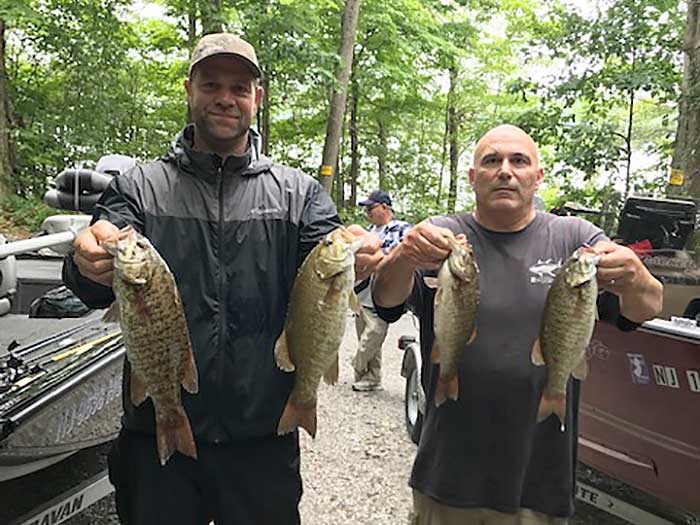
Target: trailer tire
412	415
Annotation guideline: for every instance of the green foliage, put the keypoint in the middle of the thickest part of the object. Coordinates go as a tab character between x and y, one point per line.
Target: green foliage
90	77
24	213
623	58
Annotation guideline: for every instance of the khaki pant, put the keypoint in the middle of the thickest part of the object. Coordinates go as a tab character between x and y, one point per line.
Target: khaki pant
371	332
427	511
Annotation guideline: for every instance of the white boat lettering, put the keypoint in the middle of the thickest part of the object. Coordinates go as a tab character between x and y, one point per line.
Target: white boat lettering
61	513
94	400
693	380
666	376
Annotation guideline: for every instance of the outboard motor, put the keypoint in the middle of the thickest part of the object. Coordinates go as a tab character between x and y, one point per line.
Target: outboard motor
80	189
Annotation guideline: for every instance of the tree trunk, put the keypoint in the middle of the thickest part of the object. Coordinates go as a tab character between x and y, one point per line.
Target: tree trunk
334	127
628	144
452	132
685	165
381	155
192	24
212	17
438	198
354	144
628	135
6	160
264	116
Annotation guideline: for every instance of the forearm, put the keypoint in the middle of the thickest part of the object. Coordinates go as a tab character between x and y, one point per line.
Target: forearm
643	301
394	280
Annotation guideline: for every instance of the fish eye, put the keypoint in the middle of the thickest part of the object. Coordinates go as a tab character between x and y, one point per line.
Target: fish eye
328	241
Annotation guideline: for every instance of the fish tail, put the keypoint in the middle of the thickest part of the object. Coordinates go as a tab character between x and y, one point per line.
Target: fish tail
447	388
552	404
297	415
173	433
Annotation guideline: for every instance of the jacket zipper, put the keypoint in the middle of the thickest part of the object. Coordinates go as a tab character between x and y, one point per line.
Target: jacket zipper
222	301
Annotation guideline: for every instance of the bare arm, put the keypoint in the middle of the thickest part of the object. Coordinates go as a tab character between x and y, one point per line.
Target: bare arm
424	247
367	258
621	272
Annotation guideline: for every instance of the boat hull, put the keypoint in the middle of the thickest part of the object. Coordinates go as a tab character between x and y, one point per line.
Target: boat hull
58	411
639	419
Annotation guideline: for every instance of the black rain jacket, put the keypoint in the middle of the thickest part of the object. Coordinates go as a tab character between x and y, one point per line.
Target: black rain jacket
233	234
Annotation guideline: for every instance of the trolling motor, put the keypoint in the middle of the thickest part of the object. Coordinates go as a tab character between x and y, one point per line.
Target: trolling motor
80	189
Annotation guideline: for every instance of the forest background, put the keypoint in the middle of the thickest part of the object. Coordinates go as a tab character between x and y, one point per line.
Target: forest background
608	89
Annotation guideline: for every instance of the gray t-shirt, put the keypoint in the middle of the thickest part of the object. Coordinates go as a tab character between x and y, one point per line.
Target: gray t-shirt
486	449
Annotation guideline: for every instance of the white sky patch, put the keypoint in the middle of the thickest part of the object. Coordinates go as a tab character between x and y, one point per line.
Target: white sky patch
144	9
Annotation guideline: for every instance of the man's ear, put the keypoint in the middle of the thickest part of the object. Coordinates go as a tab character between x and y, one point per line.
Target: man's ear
258	95
471	177
188	88
540	176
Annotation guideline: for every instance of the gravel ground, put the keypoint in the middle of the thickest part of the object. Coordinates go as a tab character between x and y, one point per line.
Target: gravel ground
355	472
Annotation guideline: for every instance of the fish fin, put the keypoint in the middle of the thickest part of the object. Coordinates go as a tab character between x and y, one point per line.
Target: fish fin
331	295
435	354
354	303
472	337
296	415
536	357
431	282
189	378
331	375
137	389
284	360
552	404
581	370
173	433
447	388
112	314
438	297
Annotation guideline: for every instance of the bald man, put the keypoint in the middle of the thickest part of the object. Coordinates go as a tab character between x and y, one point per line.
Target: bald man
484	459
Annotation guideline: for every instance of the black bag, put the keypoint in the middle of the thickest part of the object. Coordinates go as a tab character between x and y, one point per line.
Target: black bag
57	303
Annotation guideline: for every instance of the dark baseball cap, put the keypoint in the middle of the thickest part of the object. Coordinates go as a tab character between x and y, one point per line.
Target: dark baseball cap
225	44
377	197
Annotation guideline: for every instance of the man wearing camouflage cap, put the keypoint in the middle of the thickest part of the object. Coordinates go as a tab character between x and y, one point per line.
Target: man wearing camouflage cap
233	227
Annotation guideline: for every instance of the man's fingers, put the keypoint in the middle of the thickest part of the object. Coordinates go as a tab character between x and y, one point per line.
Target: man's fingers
103	230
356	230
93	266
431	249
371	245
91	259
438	237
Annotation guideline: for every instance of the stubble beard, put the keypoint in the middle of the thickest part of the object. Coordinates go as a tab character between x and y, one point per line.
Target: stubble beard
221	141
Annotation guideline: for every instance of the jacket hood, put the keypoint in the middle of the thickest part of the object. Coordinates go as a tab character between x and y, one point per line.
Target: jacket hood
206	164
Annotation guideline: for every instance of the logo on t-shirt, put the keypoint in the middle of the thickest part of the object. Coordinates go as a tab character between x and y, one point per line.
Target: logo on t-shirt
543	272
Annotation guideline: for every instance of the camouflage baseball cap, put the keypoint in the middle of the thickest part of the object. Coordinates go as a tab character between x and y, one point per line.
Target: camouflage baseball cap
225	44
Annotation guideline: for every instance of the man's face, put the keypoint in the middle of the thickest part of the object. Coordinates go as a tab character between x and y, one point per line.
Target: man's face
374	213
506	173
223	97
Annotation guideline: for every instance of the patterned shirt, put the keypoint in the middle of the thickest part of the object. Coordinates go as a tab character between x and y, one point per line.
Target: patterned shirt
390	233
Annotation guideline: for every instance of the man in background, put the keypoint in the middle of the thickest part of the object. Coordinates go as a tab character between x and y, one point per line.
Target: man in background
371	329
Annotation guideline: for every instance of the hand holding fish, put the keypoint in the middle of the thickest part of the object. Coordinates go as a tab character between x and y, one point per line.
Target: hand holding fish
369	256
621	271
426	246
91	259
619	267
